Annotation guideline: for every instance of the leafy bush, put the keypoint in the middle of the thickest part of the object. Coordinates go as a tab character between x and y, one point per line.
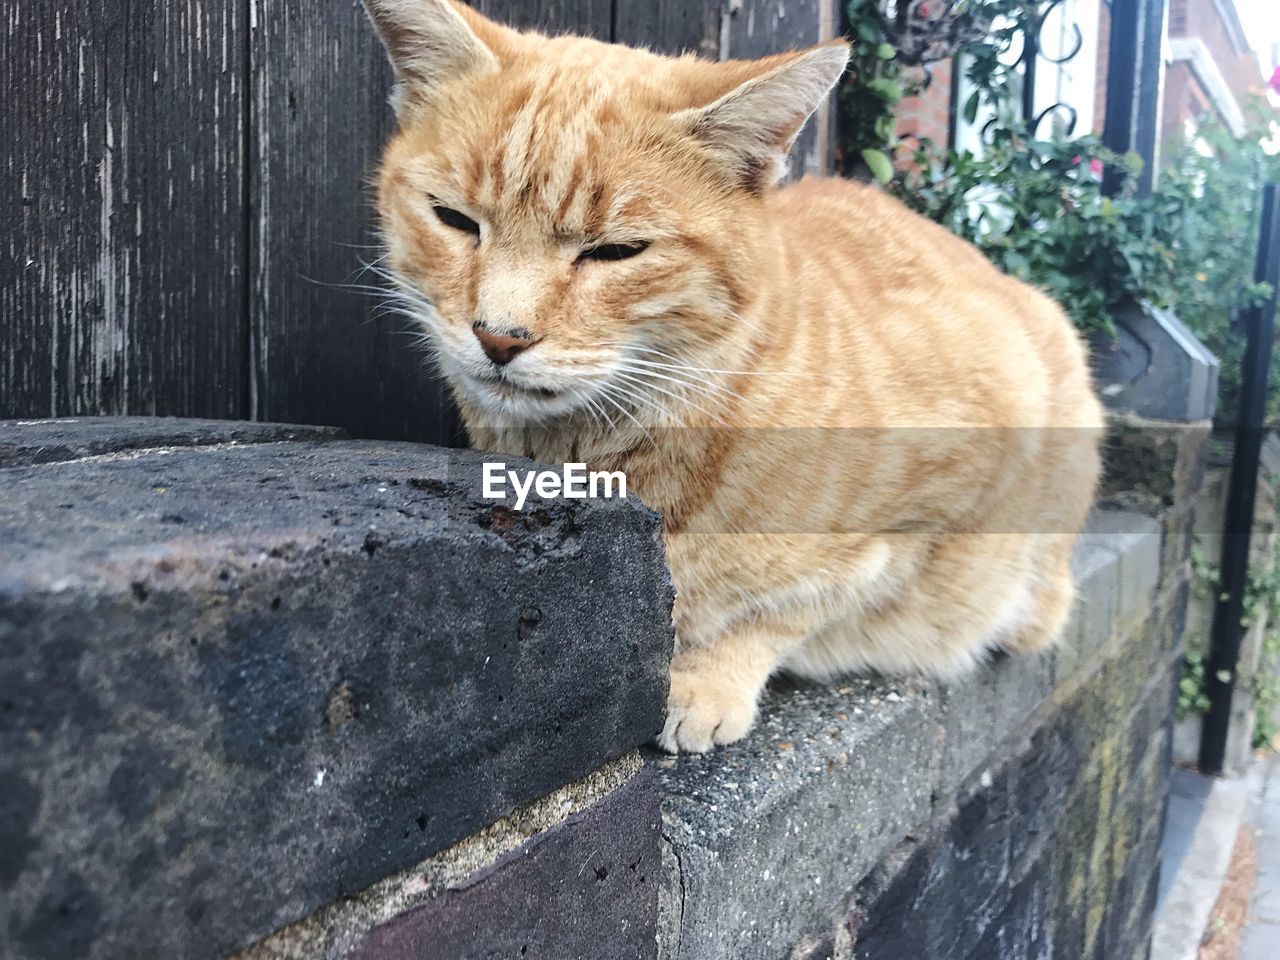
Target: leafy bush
1037	209
1036	206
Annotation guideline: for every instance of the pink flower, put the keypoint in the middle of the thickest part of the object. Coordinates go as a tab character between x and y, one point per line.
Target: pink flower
1095	165
1275	80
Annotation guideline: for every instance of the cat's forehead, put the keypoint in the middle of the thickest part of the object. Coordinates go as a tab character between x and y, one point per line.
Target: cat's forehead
550	145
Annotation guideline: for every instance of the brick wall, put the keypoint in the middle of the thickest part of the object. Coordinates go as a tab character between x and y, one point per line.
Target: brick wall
274	694
1187	94
929	114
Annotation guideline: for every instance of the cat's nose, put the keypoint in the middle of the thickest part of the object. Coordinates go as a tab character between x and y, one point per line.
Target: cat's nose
499	347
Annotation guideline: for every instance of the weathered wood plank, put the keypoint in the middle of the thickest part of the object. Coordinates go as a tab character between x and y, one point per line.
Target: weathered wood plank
738	29
123	281
320	82
757	28
320	120
135	224
671	26
591	18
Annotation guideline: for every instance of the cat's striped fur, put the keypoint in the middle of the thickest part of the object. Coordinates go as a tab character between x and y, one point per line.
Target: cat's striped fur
870	448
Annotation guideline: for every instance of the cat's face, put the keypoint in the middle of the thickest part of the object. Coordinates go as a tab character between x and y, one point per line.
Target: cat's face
575	223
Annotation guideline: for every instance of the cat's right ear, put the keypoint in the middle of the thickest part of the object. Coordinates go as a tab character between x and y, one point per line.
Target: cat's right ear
751	127
431	43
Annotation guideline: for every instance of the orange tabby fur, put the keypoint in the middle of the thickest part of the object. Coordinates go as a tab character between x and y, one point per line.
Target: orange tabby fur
871	449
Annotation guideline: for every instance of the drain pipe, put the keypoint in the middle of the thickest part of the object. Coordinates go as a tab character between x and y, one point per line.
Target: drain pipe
1228	631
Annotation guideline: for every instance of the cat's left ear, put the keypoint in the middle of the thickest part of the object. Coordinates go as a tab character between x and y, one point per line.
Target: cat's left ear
752	127
431	43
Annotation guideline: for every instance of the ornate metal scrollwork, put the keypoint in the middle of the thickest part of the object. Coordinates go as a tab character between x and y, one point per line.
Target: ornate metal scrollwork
925	31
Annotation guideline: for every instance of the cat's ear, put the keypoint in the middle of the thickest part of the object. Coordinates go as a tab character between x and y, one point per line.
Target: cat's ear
752	127
431	43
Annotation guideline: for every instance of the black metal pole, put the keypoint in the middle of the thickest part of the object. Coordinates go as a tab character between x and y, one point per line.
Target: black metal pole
1228	631
1134	67
1030	53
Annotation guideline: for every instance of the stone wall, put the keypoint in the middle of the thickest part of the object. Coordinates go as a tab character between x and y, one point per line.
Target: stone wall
1254	670
412	725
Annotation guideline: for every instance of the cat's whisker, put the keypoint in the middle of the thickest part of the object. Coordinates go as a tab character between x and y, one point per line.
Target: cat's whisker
717	401
584	405
681	375
749	324
603	412
684	366
637	397
605	393
417	316
700	383
675	396
599	414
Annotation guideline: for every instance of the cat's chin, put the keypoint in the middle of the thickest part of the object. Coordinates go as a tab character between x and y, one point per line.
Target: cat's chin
507	403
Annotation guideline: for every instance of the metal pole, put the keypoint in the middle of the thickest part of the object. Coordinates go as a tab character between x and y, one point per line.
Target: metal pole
1228	630
1135	73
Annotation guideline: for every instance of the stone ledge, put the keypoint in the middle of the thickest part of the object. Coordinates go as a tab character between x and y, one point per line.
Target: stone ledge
242	682
769	837
768	831
29	442
764	842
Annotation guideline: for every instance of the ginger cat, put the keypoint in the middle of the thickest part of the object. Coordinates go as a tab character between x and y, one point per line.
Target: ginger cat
870	448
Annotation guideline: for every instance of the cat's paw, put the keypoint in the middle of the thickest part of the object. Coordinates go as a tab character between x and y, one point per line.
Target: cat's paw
703	713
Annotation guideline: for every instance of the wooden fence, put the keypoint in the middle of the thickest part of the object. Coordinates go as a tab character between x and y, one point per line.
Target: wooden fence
188	188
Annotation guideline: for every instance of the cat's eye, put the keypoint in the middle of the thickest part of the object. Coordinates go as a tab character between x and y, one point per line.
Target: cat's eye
459	221
613	251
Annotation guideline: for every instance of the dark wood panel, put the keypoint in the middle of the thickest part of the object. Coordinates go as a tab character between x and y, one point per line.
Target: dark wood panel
123	283
320	118
592	18
757	28
671	26
191	192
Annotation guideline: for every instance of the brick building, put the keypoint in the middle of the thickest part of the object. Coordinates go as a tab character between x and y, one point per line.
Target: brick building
1209	68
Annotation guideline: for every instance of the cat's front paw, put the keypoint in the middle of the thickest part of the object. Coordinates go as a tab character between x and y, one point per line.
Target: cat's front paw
703	712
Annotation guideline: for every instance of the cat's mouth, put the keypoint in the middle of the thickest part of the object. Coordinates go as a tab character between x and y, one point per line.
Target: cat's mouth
508	389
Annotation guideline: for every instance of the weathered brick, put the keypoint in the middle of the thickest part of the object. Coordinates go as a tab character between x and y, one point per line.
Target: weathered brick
1096	568
815	948
1022	931
1136	539
981	711
1160	460
950	889
1043	780
241	682
1130	907
585	889
772	833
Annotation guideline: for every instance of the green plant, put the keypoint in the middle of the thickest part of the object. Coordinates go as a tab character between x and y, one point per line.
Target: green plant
1036	208
873	86
1191	695
1035	204
1266	689
1261	599
1206	204
893	42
